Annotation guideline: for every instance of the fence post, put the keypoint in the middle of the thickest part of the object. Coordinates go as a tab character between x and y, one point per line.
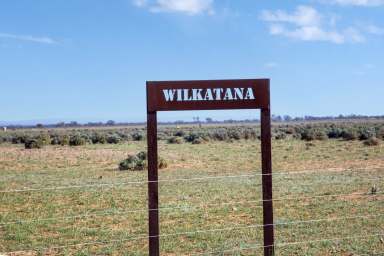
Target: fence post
266	159
153	197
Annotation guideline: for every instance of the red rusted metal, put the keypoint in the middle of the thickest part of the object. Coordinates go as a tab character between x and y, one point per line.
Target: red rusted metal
209	95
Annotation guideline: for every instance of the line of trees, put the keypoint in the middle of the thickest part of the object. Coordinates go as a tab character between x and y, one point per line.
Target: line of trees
208	120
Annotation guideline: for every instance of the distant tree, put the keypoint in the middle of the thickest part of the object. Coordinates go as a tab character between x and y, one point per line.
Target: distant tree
287	118
209	120
60	124
111	123
73	123
39	126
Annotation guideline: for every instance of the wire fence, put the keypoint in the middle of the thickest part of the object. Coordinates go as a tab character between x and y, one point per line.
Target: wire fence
193	179
376	195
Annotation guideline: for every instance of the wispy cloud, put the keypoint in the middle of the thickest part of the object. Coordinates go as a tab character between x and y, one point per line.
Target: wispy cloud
365	69
29	38
355	2
271	65
140	3
307	24
375	30
189	7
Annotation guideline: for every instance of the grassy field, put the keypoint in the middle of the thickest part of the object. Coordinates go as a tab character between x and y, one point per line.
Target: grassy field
73	200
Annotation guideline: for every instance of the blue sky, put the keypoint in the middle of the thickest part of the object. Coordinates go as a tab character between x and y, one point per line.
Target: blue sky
88	60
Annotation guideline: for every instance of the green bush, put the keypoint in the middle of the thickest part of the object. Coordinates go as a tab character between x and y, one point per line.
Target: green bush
33	143
142	155
137	136
380	133
45	138
234	134
191	137
175	140
77	140
313	134
334	133
98	138
64	140
280	136
20	139
131	163
220	134
179	133
373	141
198	140
139	162
55	140
349	134
113	139
367	133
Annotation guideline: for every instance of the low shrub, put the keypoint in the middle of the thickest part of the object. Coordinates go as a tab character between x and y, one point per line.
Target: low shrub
349	134
175	140
64	140
113	139
380	133
198	140
139	162
191	137
281	136
373	141
142	155
77	140
55	140
367	133
137	136
131	164
179	133
234	134
98	138
44	138
162	163
334	133
313	134
33	143
20	139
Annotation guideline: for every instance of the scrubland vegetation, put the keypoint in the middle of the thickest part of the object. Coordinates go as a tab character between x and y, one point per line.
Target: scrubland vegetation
37	138
69	194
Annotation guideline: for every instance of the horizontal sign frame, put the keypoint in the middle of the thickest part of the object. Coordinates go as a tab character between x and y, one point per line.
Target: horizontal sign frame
208	95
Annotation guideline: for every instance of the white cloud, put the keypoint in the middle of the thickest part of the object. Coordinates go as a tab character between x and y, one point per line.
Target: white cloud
41	40
303	16
190	7
271	65
140	3
372	29
355	2
307	24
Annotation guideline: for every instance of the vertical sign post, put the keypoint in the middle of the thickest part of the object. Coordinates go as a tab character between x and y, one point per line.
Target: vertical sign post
153	188
209	95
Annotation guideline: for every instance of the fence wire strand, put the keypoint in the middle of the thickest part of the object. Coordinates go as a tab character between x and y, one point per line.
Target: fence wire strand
203	178
365	238
361	238
202	206
144	236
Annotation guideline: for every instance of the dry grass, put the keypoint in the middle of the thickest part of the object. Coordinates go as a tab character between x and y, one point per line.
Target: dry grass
206	204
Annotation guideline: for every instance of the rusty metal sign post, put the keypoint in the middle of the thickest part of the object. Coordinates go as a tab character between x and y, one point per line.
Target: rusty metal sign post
209	95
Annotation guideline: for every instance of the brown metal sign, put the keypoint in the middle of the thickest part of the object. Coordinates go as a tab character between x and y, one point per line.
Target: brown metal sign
209	95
